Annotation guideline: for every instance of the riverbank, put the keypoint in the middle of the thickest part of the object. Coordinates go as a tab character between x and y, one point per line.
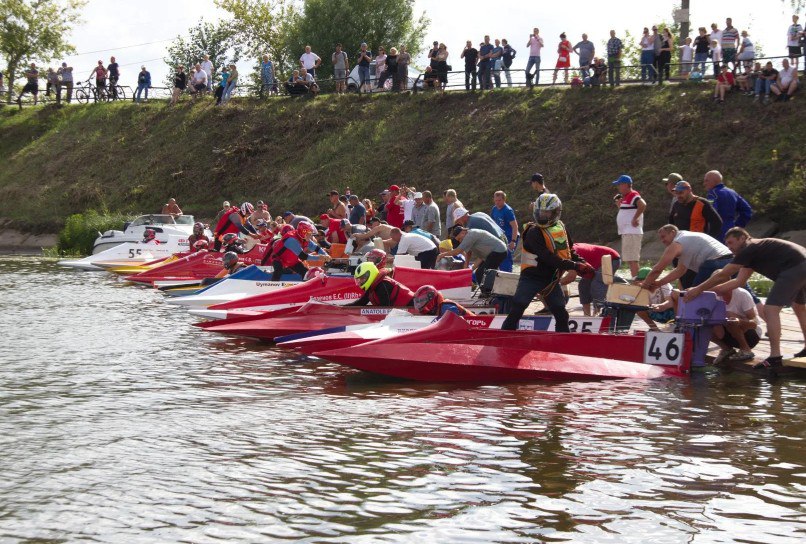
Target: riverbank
129	158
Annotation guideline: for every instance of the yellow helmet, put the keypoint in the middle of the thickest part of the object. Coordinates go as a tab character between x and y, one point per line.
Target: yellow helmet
365	275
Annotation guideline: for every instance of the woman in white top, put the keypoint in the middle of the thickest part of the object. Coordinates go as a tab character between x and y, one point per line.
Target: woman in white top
380	64
747	51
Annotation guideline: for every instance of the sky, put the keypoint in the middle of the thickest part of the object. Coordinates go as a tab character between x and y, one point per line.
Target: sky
138	33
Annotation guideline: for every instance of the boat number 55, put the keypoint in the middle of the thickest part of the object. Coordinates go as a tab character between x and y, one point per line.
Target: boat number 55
663	348
135	253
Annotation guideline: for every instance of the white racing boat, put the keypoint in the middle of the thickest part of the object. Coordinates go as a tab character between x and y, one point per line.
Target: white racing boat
252	280
134	231
129	253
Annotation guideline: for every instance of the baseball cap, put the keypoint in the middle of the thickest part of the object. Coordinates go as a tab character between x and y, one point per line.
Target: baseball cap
287	213
623	178
536	177
324	216
385	192
418	195
459	213
674	177
681	186
456	230
393	188
643	273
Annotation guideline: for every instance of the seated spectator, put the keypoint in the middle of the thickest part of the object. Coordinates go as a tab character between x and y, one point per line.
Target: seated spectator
764	81
598	73
198	81
787	82
309	81
724	83
430	78
296	84
746	80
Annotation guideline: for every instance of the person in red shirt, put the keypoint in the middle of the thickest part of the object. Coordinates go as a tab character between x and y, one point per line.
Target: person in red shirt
592	289
335	233
724	83
394	208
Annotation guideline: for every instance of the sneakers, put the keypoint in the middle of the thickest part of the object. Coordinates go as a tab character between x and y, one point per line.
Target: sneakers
743	356
757	98
769	362
801	353
766	99
723	356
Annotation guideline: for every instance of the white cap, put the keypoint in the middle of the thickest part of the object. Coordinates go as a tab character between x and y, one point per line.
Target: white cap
459	213
418	195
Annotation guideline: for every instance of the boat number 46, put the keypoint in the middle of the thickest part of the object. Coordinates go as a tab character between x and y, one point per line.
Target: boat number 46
135	253
663	348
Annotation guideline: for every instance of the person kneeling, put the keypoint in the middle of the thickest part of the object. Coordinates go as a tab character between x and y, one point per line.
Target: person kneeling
741	329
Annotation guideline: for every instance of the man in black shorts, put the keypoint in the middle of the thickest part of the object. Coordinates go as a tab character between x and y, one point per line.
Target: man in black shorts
114	75
781	261
32	86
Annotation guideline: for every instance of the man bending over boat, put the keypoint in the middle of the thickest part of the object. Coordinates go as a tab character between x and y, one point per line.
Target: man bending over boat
288	253
429	301
554	253
379	288
235	220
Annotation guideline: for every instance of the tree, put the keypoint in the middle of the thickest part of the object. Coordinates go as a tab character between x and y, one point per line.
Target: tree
324	23
219	41
35	30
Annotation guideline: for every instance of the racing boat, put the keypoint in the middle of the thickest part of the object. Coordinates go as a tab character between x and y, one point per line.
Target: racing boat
451	350
196	266
126	254
165	226
341	289
252	280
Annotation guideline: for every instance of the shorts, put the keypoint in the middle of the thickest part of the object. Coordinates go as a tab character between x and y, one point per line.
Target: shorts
200	86
729	55
631	247
789	287
750	335
795	52
339	75
32	88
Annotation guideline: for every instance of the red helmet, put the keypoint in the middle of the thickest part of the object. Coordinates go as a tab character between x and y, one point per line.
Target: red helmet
377	256
305	229
427	300
229	238
313	272
287	229
200	244
247	209
149	235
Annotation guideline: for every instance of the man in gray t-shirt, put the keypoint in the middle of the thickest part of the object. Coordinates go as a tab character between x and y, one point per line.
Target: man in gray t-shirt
488	250
431	221
586	51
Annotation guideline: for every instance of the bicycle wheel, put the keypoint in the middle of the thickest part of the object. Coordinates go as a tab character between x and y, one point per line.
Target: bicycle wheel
82	96
121	92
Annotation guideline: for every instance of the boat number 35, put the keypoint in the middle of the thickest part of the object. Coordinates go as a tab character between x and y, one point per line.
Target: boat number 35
135	253
663	348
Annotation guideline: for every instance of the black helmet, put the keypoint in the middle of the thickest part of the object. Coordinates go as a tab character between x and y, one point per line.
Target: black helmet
229	238
230	259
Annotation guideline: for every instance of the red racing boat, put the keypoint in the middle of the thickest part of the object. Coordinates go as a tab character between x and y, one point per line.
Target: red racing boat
195	266
451	350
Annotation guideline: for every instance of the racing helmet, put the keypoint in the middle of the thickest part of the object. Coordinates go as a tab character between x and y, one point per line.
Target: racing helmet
247	209
149	234
200	244
287	229
365	275
198	228
305	230
229	259
313	272
548	209
427	299
229	238
377	256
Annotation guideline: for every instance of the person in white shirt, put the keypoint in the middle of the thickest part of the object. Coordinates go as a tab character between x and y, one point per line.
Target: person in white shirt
207	66
422	248
787	82
310	61
686	56
741	329
200	81
793	35
716	36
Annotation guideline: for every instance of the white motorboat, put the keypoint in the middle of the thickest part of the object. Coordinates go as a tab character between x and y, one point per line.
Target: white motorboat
253	280
134	231
130	253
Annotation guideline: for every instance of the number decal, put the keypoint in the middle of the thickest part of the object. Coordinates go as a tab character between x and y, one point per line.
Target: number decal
131	253
134	252
663	348
585	325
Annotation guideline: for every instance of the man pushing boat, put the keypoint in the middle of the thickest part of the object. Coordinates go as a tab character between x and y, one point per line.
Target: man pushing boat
554	253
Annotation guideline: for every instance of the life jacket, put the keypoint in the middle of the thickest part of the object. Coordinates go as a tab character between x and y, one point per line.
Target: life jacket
454	307
281	253
224	225
400	296
556	239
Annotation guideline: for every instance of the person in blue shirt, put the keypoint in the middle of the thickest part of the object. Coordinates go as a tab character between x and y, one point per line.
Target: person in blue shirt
143	83
266	76
504	216
485	64
731	207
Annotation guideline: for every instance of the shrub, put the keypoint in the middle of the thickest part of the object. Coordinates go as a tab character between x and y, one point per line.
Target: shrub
81	230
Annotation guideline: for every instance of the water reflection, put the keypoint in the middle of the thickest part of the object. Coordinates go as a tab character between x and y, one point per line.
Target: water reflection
120	422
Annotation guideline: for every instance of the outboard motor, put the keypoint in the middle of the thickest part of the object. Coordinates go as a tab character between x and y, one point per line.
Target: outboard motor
699	316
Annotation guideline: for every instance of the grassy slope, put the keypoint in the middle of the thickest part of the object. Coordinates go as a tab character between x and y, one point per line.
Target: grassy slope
124	157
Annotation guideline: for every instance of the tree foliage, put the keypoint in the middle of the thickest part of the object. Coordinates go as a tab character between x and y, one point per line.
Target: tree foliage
389	23
217	40
35	30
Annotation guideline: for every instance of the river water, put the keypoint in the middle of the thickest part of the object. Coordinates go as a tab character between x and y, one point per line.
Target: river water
119	422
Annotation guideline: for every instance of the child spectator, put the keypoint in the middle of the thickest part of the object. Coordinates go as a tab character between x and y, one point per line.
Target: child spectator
686	56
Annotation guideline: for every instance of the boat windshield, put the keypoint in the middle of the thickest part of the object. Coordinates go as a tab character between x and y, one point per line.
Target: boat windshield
160	219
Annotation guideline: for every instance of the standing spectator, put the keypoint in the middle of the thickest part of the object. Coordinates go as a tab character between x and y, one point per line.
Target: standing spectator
369	207
171	208
731	207
408	203
225	208
485	65
391	70
51	81
99	72
793	37
310	61
496	62
432	222
716	57
787	82
380	65
403	61
702	45
432	55
694	213
504	216
665	58
671	182
338	209
267	76
614	50
113	70
508	57
630	221
471	56
538	183
394	207
686	56
442	66
729	43
657	45
586	51
358	213
564	51
535	44
419	210
232	82
764	81
381	210
364	58
209	71
222	86
261	213
143	84
65	80
341	67
453	203
180	84
647	45
200	80
747	51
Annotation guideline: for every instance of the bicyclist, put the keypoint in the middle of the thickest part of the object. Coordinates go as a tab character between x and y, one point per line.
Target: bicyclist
113	71
100	79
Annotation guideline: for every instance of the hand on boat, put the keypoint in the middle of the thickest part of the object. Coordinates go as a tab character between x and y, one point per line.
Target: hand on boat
692	293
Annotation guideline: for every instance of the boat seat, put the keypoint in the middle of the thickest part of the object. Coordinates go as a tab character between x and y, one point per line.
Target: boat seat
622	294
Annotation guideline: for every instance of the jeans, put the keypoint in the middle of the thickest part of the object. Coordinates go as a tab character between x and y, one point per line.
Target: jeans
138	93
528	287
709	267
485	81
614	71
508	76
428	259
584	68
764	84
363	75
470	78
69	96
664	60
700	59
533	61
647	65
507	263
227	94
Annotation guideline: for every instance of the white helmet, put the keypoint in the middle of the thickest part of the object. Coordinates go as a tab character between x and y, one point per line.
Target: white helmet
547	210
